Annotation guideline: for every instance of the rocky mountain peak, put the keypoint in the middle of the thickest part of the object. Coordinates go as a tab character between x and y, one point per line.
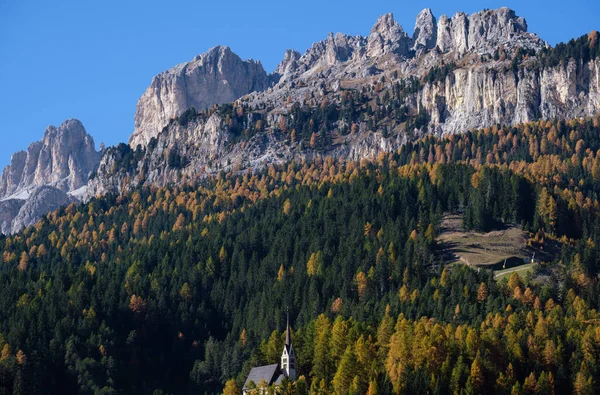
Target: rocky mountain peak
61	161
215	77
425	34
484	32
218	50
288	65
68	136
494	26
63	158
453	33
386	23
387	36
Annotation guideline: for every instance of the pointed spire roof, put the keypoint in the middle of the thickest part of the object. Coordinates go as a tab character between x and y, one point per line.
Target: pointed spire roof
288	331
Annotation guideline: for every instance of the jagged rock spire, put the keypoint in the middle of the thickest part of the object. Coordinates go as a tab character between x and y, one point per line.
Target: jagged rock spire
387	36
425	35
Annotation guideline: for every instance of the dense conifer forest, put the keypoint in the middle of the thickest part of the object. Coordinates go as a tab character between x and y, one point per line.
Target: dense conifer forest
184	289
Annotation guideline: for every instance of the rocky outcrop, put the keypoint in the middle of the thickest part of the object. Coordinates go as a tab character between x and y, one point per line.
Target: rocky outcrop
43	200
64	158
425	33
9	209
62	161
494	26
334	50
453	33
484	32
216	77
387	37
288	65
200	147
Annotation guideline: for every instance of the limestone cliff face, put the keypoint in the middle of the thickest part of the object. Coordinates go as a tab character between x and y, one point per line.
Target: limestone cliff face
216	77
480	96
453	33
9	209
194	144
334	50
62	161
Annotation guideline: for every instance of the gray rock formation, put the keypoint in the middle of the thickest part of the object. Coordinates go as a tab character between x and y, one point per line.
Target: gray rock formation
474	97
288	65
336	49
216	77
494	26
43	200
484	31
425	34
195	144
62	160
452	34
9	209
387	37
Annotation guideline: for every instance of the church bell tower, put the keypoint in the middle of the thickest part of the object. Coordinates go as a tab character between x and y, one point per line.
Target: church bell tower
288	357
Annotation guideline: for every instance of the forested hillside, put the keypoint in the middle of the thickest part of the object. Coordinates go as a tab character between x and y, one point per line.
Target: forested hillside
178	290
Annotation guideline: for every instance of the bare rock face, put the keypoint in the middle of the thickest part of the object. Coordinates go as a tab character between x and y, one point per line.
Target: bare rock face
494	26
387	36
425	34
288	65
474	97
484	31
194	145
215	77
43	200
452	34
9	209
334	50
63	160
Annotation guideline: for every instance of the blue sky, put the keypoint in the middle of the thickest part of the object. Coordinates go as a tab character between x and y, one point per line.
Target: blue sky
92	60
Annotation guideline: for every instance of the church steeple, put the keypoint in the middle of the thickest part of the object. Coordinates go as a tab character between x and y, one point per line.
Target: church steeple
288	357
288	332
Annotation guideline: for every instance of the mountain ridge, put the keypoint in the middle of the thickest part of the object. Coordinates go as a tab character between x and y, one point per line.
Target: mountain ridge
214	77
344	97
485	69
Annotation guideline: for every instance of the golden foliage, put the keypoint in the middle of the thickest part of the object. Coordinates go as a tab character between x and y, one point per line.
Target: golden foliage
137	304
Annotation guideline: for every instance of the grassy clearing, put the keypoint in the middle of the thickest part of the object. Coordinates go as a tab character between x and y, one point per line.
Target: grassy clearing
522	271
504	251
481	249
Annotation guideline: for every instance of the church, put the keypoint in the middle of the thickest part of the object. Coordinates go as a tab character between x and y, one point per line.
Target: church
273	374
